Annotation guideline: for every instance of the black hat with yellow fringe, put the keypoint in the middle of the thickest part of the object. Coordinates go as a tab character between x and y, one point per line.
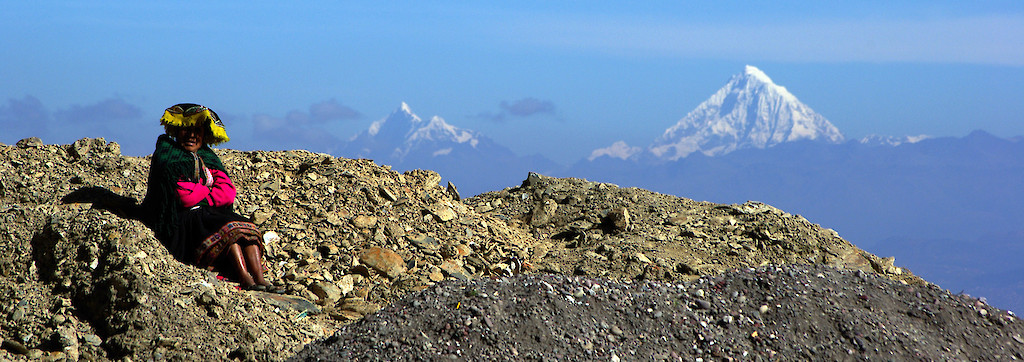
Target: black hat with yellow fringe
191	114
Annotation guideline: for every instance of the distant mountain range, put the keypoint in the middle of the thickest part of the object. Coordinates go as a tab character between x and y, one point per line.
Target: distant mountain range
473	162
930	202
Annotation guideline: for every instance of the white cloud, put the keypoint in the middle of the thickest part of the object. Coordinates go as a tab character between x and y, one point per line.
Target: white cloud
619	150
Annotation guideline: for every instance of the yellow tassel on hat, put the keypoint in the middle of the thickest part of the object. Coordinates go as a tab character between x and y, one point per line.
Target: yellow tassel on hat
177	119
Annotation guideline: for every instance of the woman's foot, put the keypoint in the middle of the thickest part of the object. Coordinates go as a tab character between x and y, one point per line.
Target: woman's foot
270	288
255	287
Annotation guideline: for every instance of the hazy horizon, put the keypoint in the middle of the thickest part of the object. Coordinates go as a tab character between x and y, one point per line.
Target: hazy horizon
550	79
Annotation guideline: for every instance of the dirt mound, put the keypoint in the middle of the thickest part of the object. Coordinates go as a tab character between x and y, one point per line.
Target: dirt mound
599	229
794	312
81	278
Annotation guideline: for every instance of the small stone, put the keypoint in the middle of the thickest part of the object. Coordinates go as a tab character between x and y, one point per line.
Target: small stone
173	342
29	142
80	148
702	304
763	309
679	219
643	258
364	221
15	346
333	219
270	237
327	292
387	194
259	218
360	270
346	284
442	213
358	305
274	186
67	336
452	269
616	330
19	313
361	292
329	249
449	251
384	261
436	275
394	230
92	339
618	219
543	213
453	192
425	242
463	250
578	293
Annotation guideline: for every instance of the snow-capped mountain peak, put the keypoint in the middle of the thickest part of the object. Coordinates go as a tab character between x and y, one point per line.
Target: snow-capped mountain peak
403	131
439	130
403	117
752	71
750	111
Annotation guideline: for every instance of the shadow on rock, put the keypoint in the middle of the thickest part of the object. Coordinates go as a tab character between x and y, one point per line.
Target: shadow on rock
104	199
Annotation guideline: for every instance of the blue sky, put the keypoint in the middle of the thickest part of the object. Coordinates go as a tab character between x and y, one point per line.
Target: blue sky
556	78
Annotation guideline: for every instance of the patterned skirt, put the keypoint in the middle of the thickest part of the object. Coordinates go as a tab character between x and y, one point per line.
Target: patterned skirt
206	232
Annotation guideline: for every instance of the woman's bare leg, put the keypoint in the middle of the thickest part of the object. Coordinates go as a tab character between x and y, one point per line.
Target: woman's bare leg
254	262
236	257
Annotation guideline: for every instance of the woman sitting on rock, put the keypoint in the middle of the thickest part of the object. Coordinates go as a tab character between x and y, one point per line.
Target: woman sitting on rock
189	201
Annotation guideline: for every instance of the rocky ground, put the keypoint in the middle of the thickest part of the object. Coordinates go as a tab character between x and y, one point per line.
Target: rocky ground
792	312
555	268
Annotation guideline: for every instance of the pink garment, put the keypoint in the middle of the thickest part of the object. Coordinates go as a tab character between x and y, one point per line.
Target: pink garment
221	193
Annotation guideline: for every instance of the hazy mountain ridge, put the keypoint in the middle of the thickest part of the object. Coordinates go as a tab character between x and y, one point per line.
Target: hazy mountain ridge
467	158
876	190
876	196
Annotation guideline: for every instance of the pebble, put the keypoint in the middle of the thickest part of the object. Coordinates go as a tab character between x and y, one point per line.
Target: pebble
616	330
92	339
578	293
703	304
763	309
15	346
385	261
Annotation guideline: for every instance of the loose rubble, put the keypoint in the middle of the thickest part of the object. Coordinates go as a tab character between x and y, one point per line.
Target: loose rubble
599	229
792	312
350	240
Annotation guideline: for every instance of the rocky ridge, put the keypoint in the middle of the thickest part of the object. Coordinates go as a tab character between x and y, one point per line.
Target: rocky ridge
82	279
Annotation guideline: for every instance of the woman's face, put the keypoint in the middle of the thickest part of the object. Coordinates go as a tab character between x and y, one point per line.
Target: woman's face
191	138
